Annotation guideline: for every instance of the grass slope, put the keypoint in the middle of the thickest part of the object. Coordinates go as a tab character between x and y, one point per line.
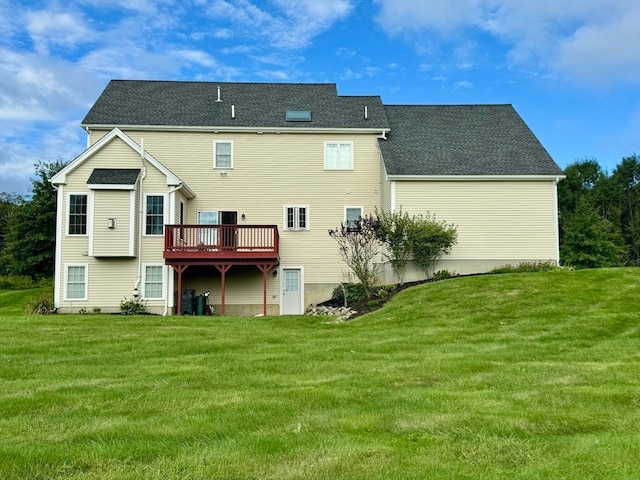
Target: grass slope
520	376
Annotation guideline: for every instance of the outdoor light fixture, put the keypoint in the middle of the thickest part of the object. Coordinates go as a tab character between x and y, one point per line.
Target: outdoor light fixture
136	293
243	216
275	272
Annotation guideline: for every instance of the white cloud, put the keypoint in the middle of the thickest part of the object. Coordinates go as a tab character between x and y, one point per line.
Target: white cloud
589	42
48	28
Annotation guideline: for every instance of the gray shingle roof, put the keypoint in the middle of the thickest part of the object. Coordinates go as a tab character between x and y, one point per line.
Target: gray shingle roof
259	105
462	140
113	176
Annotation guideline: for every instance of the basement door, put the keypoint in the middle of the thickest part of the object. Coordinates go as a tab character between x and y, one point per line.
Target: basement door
292	291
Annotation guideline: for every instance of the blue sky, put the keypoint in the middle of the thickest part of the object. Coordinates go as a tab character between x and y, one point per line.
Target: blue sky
571	68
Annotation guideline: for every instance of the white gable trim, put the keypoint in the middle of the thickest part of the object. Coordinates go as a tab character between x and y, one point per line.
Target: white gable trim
61	177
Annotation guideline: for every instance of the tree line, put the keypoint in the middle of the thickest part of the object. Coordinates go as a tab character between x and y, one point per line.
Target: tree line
598	217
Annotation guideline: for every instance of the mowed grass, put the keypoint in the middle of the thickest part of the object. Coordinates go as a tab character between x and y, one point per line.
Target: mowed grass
518	376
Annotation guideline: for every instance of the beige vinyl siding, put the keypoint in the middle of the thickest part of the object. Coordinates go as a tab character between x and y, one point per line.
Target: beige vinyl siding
495	220
111	279
269	171
117	205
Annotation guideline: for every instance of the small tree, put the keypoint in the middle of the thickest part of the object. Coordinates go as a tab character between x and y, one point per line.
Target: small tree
430	239
394	233
359	246
591	241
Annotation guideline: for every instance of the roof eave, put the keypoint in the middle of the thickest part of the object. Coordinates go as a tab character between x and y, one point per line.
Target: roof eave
475	178
231	129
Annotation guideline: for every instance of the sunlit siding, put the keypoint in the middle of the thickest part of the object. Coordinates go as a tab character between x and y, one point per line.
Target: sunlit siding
269	171
115	239
495	220
110	280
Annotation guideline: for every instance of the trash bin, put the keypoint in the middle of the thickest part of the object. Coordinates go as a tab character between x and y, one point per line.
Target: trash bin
188	302
200	305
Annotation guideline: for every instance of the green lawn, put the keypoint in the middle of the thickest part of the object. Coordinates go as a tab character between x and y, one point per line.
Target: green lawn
518	376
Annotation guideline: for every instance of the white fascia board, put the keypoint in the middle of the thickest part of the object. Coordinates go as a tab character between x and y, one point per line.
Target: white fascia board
231	129
476	178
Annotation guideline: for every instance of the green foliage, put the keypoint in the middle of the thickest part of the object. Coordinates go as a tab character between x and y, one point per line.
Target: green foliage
347	293
422	238
358	246
16	282
394	233
444	274
132	307
430	239
41	305
591	241
599	215
31	229
527	267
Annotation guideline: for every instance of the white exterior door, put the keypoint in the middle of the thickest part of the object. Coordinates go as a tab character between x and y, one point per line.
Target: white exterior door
292	291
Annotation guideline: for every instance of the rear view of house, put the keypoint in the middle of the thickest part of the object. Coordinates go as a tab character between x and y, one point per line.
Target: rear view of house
231	188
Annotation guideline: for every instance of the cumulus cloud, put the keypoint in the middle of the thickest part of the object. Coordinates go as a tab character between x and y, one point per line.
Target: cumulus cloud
588	42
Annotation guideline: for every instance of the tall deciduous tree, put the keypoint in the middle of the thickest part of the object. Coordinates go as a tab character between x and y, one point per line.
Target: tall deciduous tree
31	231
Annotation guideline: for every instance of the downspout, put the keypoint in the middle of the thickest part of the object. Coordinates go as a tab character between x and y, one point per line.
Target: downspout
168	270
142	218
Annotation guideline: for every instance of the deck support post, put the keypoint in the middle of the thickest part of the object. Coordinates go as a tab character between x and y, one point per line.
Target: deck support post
179	270
264	268
222	268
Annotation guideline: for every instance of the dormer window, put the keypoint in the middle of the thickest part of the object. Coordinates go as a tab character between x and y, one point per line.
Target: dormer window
298	116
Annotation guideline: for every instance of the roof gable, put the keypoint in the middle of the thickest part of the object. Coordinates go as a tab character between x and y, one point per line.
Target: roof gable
61	177
462	140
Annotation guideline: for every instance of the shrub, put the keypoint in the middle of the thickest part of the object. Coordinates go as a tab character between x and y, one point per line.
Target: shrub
526	267
132	307
346	293
41	305
16	282
444	274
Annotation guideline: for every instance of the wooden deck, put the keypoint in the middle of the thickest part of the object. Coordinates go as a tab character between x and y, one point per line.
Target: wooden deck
244	244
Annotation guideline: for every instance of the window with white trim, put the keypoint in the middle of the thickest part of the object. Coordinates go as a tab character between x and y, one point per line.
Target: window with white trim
78	214
153	282
154	220
351	216
296	217
222	154
338	155
76	282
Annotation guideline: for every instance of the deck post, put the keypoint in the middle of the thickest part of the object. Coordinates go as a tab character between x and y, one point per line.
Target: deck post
222	268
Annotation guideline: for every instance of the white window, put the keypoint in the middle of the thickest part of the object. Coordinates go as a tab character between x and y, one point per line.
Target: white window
153	282
351	215
76	282
222	154
338	155
296	217
78	205
154	219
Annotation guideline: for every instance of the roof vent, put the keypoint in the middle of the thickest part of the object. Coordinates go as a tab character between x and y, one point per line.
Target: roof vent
366	112
218	99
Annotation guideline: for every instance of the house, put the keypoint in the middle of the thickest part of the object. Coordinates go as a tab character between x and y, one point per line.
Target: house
231	188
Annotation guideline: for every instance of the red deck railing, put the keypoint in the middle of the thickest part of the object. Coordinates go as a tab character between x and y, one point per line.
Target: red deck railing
221	242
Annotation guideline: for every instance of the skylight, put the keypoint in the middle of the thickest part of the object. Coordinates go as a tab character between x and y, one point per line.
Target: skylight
298	116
